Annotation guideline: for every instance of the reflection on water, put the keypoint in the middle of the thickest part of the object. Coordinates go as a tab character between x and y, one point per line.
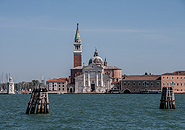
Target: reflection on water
93	111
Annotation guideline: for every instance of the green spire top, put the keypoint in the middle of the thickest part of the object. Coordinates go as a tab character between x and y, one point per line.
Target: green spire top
77	35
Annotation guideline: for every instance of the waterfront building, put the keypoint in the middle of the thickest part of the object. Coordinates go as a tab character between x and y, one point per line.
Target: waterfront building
178	77
57	85
141	84
10	86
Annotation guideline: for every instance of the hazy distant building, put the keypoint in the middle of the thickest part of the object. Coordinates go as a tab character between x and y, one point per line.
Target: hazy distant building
178	77
10	86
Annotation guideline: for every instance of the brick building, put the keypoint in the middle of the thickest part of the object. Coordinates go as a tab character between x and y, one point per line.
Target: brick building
178	77
141	84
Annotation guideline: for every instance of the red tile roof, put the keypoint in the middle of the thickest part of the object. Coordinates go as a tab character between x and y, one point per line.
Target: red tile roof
175	73
60	79
142	77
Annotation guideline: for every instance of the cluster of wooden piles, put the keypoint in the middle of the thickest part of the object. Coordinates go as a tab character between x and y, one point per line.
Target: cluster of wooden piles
39	102
167	98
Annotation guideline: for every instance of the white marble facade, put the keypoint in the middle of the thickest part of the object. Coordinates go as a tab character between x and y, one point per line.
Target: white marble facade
93	80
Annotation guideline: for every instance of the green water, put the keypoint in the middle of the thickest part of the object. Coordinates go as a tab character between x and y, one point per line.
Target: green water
93	111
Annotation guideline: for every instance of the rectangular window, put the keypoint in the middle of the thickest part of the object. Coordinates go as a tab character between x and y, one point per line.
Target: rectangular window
124	83
167	84
140	84
151	83
181	77
181	83
167	77
157	83
63	89
143	83
177	84
177	77
172	77
133	83
163	77
59	89
128	83
163	83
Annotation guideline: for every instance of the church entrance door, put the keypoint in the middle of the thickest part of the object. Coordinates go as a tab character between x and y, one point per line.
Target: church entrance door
92	87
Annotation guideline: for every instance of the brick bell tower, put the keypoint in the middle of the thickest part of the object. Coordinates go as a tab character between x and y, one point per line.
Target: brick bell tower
77	49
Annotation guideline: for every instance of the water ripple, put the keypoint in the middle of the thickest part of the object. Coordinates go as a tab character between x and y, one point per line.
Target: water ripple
93	111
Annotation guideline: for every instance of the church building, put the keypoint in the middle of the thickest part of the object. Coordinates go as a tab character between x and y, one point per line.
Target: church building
93	78
96	77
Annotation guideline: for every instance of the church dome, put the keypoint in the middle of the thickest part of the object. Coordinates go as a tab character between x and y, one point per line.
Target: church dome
96	59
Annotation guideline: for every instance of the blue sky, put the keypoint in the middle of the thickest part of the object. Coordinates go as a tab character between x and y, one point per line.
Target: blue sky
36	37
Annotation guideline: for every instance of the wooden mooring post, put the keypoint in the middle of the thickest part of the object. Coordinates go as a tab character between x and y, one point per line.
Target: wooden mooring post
167	98
39	102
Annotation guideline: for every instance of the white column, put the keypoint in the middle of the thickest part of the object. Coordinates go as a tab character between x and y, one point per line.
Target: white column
101	79
76	87
84	79
88	78
109	84
96	78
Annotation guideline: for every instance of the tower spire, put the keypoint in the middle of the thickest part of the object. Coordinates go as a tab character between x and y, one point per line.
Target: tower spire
77	49
77	35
